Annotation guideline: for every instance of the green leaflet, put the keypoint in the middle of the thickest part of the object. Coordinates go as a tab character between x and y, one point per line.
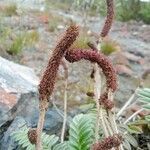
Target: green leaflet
61	146
22	138
144	97
81	132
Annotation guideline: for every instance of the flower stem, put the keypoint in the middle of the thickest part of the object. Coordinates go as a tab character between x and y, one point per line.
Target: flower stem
65	113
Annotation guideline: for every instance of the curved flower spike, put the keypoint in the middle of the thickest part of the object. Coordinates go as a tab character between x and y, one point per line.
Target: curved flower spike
74	55
109	18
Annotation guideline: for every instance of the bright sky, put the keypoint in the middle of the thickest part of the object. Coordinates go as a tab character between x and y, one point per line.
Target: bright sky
145	0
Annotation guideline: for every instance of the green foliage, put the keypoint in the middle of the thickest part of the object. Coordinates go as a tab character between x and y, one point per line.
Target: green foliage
32	37
81	41
22	40
5	32
128	140
21	137
109	46
141	125
10	10
17	45
128	9
62	146
125	9
145	13
133	10
81	133
144	97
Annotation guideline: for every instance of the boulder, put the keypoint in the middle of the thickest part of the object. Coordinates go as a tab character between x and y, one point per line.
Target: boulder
19	103
53	121
7	142
18	90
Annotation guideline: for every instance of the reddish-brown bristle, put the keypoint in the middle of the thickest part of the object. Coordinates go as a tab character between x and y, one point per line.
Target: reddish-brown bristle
47	83
108	143
32	136
109	18
74	55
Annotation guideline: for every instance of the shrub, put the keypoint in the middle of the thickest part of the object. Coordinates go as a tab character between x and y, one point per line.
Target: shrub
22	40
10	10
17	45
128	9
109	46
133	10
145	13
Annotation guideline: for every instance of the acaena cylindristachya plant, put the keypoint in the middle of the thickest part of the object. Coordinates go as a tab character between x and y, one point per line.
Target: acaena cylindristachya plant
47	82
74	55
106	99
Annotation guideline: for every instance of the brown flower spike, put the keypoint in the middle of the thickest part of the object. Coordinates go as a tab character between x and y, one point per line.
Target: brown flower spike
109	18
74	55
108	143
32	136
48	80
47	83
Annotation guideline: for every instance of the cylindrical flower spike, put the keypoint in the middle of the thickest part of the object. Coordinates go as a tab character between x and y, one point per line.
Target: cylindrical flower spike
48	80
32	136
109	18
108	143
74	55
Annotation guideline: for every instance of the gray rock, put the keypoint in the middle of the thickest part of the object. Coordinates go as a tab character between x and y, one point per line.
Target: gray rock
18	90
17	78
127	86
53	120
7	142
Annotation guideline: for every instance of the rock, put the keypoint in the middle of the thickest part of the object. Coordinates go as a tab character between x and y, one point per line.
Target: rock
126	87
7	142
53	120
19	103
122	69
18	90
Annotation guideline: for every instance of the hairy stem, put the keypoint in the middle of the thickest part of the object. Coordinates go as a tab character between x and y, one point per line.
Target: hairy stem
103	122
43	106
65	113
108	126
97	91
